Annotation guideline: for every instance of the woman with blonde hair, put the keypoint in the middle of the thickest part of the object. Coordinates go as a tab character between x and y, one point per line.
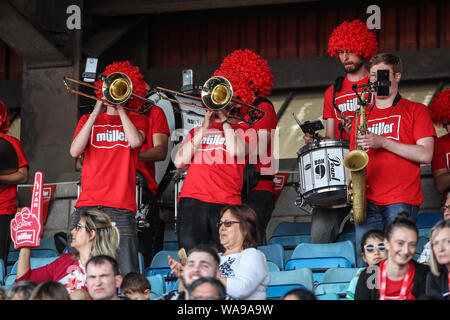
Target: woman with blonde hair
438	279
93	235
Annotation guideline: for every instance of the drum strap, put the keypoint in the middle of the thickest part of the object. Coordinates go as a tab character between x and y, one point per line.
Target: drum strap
337	86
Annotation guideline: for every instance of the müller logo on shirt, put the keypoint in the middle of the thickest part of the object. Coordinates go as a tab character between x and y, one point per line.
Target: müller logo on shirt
349	105
387	127
108	136
215	139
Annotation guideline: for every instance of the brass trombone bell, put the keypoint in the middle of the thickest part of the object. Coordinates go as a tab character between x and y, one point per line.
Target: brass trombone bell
117	88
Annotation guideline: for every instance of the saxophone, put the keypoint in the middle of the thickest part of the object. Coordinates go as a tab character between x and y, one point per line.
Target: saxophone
356	161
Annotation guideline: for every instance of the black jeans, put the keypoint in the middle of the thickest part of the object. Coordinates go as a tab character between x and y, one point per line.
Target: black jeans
263	203
197	223
127	254
325	224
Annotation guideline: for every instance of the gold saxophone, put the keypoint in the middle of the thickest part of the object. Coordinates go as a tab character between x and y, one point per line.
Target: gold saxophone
356	161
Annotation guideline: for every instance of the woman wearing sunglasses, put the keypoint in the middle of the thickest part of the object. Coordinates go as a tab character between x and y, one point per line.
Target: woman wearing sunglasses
398	277
243	268
373	250
438	280
93	235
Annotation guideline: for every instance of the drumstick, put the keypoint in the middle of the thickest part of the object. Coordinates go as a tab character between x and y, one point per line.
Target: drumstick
297	120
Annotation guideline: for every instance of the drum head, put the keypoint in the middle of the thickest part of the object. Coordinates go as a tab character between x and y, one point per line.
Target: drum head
324	144
327	197
9	161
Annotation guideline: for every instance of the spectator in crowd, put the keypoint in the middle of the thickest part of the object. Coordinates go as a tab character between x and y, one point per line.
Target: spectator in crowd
110	137
299	294
207	288
243	268
20	290
135	286
103	278
438	280
373	250
2	293
425	256
8	183
398	277
202	261
94	234
50	290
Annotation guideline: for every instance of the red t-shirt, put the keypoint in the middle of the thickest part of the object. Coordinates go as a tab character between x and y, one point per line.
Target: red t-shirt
391	178
213	175
441	155
108	177
393	289
265	165
157	123
346	101
8	204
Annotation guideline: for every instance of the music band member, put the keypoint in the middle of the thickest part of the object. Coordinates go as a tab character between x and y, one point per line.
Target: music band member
354	44
400	137
440	166
215	153
154	149
111	142
8	185
259	197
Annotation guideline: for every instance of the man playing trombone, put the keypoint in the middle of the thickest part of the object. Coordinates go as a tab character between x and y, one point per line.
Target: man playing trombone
110	141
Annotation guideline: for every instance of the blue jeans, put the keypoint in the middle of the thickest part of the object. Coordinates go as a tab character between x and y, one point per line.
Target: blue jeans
379	217
127	253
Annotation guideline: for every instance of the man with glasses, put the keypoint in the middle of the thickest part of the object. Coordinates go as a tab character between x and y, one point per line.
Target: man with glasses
207	288
425	256
400	137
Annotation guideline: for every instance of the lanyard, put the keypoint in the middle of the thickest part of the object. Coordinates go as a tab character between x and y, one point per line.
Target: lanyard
406	279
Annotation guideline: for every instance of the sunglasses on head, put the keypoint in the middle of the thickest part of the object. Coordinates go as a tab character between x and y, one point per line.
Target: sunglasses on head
371	247
226	223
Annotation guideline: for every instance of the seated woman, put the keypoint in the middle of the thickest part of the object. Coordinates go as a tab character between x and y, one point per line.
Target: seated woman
372	252
243	268
438	280
93	235
398	277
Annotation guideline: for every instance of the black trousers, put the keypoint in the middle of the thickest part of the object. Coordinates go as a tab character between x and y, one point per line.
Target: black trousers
5	236
325	224
197	223
263	203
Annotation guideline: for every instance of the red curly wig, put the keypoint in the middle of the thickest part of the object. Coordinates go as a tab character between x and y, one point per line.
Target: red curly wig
354	37
440	107
137	79
241	88
252	66
4	120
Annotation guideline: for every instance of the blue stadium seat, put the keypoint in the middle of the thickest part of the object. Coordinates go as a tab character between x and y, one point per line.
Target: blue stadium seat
317	265
424	232
2	271
272	266
339	274
302	277
34	264
292	229
157	284
141	262
428	219
160	265
274	253
38	252
170	240
154	296
345	249
328	296
420	244
338	288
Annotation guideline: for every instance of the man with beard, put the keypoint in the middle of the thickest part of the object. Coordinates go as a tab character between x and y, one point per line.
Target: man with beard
354	44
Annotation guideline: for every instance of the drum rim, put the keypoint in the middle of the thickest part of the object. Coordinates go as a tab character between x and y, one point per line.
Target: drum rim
308	194
323	144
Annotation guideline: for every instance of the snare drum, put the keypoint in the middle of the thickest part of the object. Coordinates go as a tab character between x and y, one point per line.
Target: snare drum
323	177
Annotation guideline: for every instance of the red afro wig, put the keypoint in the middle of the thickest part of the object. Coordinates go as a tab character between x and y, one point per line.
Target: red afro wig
354	37
440	107
4	120
241	88
137	79
252	66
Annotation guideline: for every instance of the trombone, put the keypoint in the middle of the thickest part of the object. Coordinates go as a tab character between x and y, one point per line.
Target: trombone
216	94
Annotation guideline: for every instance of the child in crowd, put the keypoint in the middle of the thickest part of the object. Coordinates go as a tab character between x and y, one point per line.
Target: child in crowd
135	286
